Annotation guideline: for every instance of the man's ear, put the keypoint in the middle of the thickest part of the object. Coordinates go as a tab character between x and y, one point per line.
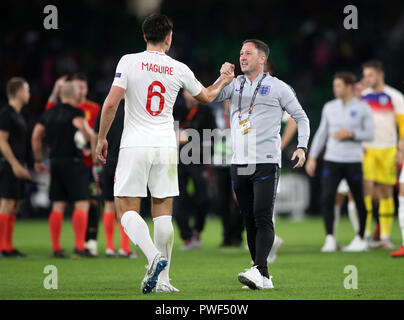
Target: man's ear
167	39
144	38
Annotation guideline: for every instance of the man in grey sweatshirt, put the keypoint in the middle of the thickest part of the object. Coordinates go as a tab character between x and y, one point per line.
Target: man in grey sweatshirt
345	123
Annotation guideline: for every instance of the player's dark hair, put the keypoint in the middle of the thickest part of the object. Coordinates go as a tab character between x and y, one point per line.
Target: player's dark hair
375	64
347	77
260	45
14	85
270	67
156	27
77	76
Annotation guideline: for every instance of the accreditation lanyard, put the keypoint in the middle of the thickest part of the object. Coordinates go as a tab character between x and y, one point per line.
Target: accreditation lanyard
245	124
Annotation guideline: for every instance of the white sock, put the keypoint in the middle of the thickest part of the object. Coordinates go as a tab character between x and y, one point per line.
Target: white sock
138	231
164	240
337	214
353	216
401	215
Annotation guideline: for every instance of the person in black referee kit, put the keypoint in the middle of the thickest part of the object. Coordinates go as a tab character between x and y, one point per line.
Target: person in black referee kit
69	182
13	135
257	102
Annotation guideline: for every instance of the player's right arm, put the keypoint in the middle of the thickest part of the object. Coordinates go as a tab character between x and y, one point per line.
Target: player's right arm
209	94
53	98
111	103
18	170
319	140
38	134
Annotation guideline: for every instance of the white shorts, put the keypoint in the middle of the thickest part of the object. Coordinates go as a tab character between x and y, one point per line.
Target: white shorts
142	167
343	187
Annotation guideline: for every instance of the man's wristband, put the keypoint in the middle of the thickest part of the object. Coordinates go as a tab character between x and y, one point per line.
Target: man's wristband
303	148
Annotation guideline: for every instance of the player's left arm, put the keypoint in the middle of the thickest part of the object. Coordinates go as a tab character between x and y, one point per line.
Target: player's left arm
38	135
111	103
288	132
289	102
398	104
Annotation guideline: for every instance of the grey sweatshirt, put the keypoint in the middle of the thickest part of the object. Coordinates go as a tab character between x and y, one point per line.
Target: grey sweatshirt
263	143
356	117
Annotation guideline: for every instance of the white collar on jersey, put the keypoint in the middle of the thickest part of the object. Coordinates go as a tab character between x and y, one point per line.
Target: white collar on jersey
158	52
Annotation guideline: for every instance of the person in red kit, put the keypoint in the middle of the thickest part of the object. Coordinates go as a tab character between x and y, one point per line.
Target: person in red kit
91	110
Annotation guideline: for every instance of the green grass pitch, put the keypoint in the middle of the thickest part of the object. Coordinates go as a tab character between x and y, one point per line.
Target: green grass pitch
300	272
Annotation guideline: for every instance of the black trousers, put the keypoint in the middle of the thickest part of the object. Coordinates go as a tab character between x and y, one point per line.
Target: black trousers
232	220
185	204
256	194
333	173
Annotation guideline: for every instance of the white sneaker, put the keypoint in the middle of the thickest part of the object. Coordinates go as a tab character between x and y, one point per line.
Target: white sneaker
267	282
357	245
251	278
330	244
278	242
152	273
165	287
91	245
110	253
130	255
387	244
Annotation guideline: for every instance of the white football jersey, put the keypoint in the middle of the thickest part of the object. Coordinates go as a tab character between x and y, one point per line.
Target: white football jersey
385	105
151	81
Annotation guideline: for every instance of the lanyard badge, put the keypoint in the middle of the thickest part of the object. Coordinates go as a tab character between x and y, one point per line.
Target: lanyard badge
245	125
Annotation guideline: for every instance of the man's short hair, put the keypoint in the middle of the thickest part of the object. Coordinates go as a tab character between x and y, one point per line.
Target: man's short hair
77	76
375	64
260	45
156	27
14	85
68	90
347	77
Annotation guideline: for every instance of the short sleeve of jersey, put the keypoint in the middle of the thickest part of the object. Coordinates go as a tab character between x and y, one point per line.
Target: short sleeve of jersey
44	118
226	92
121	74
189	82
398	102
5	122
78	113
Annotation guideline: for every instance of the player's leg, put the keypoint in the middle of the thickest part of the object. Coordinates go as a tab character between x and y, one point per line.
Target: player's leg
6	211
354	177
352	213
182	212
164	238
243	188
201	201
108	219
265	181
387	179
93	214
369	168
109	214
58	196
386	215
75	181
332	176
163	186
12	190
55	222
400	251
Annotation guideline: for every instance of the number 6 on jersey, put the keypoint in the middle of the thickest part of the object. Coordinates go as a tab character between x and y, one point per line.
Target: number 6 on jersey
151	94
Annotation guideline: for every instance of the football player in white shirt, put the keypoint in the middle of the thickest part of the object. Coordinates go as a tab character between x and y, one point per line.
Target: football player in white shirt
149	81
